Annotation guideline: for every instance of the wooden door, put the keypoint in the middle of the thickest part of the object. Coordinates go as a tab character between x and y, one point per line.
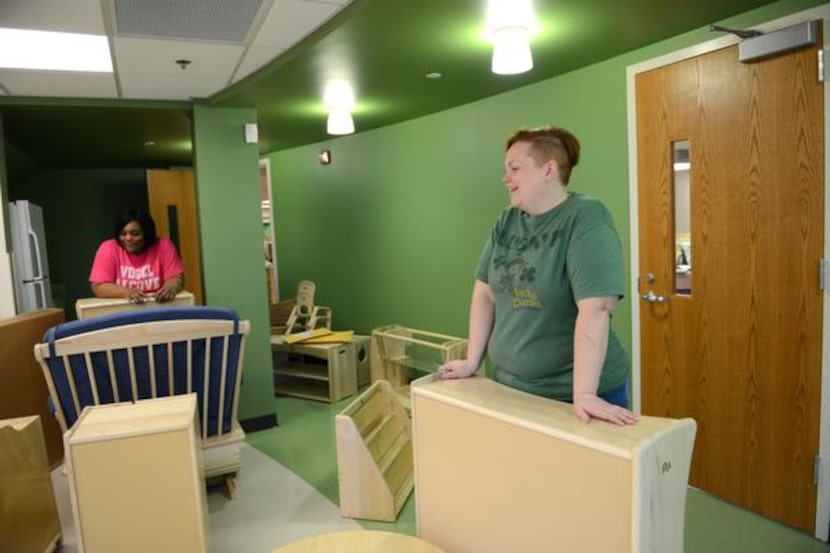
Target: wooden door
173	207
741	351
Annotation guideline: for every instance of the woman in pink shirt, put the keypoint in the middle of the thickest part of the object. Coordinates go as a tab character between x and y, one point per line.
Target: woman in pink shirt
136	263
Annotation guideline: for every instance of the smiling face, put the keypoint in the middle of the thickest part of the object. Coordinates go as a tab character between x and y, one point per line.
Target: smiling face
131	237
529	184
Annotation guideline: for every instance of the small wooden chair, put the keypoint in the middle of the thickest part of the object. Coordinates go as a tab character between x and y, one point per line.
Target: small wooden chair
305	315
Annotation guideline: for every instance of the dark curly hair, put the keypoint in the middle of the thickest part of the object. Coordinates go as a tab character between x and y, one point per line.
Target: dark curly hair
139	215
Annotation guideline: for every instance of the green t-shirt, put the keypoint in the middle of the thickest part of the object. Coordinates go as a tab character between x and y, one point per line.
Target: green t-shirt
538	267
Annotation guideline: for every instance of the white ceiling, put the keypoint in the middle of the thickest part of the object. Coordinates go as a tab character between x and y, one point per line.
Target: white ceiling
225	41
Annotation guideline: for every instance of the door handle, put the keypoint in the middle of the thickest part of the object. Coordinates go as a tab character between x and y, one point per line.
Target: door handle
651	297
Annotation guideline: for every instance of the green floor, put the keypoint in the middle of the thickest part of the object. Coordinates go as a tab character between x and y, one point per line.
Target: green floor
305	443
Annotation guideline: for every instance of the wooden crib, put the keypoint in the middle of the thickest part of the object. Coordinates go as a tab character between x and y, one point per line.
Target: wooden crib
149	353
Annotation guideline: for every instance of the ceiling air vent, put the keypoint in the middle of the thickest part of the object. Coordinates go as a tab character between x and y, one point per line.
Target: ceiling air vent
191	19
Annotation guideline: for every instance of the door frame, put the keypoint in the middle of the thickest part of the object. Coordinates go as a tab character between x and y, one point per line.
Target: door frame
822	523
265	163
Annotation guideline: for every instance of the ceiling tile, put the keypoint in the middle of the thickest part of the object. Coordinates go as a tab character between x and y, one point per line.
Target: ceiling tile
155	60
140	87
60	84
255	58
84	16
136	86
289	21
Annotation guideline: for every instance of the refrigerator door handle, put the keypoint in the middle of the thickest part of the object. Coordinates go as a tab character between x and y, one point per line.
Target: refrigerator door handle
41	287
38	258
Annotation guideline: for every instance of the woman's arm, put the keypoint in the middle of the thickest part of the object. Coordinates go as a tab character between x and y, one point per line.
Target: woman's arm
593	324
170	288
482	314
112	290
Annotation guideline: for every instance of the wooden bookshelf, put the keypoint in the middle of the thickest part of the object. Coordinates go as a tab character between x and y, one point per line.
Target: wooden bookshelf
374	455
322	372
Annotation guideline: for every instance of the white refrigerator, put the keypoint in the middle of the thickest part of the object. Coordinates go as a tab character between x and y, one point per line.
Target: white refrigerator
30	265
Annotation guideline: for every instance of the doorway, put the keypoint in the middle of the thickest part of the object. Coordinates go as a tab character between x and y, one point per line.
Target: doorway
172	197
729	321
268	232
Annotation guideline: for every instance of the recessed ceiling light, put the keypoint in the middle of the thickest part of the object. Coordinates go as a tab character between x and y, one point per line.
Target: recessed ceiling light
433	75
149	143
51	51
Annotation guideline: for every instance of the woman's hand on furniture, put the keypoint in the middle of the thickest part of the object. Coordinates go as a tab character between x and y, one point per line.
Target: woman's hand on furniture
134	296
590	406
166	292
459	368
169	289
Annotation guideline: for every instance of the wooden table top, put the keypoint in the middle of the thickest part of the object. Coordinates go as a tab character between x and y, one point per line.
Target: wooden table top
360	541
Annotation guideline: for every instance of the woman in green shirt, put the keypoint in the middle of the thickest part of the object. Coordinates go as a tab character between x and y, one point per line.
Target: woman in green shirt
547	282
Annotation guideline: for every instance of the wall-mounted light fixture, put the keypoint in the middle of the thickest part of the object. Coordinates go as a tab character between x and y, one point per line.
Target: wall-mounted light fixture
339	101
251	133
324	157
510	24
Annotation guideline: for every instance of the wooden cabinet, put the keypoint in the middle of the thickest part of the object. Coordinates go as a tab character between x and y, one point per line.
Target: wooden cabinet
135	477
323	372
500	470
363	359
24	390
28	514
93	307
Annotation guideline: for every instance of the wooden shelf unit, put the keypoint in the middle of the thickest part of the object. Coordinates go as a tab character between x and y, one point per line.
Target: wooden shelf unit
374	455
486	453
24	390
322	372
399	353
136	477
363	359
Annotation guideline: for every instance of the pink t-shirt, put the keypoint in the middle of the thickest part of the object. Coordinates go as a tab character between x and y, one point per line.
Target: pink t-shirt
145	271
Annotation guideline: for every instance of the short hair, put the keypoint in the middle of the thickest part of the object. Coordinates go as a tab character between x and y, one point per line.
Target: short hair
550	143
139	215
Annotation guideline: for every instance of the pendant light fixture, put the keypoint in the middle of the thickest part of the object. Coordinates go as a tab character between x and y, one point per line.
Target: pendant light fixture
510	24
339	121
339	101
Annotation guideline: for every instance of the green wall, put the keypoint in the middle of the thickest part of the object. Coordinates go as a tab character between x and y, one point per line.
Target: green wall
19	166
4	193
230	222
79	207
392	229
